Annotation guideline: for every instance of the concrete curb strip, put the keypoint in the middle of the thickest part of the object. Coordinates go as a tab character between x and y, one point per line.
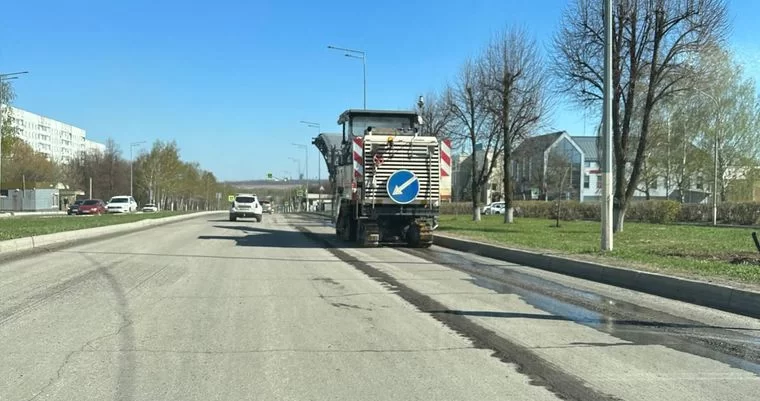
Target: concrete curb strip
40	241
716	296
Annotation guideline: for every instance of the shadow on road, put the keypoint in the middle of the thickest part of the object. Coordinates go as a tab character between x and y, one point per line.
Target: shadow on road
265	237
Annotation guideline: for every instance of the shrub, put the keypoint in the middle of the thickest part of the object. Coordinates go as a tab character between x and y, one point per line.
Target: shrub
652	211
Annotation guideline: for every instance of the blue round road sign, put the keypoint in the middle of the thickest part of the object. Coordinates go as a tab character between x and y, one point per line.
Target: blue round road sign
403	187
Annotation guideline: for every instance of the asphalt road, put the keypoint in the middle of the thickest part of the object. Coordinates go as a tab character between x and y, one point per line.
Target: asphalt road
208	309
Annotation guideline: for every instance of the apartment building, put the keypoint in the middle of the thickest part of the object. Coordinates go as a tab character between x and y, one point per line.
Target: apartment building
58	140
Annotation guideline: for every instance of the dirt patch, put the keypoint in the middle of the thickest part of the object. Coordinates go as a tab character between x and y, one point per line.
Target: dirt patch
744	258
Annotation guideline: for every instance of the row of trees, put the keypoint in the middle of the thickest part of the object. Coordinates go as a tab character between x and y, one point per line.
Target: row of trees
677	93
160	175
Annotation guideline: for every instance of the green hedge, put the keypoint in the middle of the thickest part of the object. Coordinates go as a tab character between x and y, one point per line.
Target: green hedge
653	211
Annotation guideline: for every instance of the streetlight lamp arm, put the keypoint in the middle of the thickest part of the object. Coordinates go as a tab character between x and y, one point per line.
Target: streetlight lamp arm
345	49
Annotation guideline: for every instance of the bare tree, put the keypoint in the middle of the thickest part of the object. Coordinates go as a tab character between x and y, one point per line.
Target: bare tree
654	43
436	115
515	85
472	127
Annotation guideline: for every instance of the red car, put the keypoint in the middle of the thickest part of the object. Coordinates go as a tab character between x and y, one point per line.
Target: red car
92	206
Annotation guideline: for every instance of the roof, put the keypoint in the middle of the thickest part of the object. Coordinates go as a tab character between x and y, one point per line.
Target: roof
376	113
589	145
538	143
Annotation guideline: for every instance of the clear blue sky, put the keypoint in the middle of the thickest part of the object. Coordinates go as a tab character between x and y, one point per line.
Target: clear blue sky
230	80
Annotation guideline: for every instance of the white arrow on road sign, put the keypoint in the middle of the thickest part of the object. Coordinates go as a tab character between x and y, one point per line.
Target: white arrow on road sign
400	188
403	186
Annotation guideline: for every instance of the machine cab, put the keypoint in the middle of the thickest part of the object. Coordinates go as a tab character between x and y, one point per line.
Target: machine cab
378	122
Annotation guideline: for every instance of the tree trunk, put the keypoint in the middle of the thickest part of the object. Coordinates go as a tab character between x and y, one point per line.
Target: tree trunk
509	215
474	185
618	216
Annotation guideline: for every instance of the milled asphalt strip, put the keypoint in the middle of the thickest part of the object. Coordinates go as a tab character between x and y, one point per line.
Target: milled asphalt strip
540	372
721	297
696	292
118	230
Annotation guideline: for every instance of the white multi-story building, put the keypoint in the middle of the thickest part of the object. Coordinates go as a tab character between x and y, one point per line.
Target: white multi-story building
56	139
92	146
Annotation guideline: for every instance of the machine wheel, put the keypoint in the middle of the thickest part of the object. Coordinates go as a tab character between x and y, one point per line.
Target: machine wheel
419	235
368	234
233	218
258	218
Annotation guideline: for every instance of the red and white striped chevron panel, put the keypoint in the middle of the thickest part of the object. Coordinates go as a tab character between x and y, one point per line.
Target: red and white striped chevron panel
445	157
358	148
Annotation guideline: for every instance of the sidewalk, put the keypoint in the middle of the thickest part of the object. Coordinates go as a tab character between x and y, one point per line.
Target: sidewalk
10	213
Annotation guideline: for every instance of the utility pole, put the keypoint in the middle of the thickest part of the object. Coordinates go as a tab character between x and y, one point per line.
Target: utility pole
607	203
90	197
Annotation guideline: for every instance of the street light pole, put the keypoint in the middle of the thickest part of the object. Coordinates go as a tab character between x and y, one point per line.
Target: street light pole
3	78
715	155
363	57
607	204
319	164
306	150
131	167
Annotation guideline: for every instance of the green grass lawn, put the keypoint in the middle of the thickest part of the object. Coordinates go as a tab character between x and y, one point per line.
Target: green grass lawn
18	227
715	253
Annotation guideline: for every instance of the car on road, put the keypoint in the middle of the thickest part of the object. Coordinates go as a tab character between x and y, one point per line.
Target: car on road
74	207
246	205
92	207
122	204
266	206
149	208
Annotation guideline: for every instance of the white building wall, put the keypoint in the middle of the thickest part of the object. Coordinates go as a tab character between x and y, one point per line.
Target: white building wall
92	146
56	139
594	190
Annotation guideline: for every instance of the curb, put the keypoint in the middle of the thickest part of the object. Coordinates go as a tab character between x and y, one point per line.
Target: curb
715	296
16	246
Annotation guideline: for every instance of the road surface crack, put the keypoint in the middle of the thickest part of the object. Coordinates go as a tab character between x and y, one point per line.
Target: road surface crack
57	377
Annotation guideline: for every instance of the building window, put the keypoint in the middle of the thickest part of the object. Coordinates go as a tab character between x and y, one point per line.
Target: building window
598	182
586	181
699	183
653	184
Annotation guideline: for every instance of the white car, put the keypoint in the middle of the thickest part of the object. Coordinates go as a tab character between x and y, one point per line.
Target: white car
246	205
495	208
121	204
149	208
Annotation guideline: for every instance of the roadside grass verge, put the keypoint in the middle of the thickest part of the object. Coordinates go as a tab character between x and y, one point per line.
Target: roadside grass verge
719	254
26	226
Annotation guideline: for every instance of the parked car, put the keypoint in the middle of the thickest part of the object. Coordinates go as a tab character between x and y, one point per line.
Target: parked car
122	204
149	208
495	208
74	207
92	206
246	205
